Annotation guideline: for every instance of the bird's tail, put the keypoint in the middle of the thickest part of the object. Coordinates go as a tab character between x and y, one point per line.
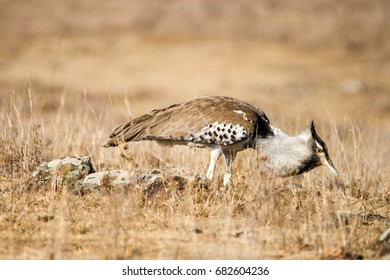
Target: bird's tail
134	130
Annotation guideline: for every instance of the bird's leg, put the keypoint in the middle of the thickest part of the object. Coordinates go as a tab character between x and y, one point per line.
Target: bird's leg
214	156
229	157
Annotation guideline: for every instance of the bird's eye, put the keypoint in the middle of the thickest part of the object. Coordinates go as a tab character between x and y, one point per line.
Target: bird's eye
319	150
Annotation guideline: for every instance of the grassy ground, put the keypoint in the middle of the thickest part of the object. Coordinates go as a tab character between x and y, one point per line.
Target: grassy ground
62	92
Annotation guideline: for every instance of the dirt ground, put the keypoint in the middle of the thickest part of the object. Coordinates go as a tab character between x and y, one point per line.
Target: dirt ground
70	73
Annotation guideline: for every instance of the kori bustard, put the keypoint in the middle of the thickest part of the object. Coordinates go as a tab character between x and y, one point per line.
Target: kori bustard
226	126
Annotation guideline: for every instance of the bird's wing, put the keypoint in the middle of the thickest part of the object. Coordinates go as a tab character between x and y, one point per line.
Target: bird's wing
206	120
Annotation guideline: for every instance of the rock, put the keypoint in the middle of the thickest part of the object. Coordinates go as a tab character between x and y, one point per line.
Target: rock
78	174
158	186
107	180
197	231
151	185
238	234
64	172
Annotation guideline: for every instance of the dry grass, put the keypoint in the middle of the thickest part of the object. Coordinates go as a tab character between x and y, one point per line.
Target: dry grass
258	217
62	95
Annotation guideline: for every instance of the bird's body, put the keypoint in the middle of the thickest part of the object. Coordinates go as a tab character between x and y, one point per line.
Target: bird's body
226	126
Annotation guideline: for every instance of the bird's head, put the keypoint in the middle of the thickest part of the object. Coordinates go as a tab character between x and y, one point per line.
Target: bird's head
320	150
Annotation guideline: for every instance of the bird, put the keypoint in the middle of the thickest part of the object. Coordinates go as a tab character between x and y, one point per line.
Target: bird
226	126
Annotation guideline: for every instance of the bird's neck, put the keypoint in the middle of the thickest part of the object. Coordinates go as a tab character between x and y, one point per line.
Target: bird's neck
286	155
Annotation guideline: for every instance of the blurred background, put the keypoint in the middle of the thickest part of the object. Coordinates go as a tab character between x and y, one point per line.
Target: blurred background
320	57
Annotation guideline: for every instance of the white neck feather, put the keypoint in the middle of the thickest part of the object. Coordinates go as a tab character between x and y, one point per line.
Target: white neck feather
284	154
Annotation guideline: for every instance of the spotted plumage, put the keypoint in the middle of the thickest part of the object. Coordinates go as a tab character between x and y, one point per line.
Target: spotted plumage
219	134
226	126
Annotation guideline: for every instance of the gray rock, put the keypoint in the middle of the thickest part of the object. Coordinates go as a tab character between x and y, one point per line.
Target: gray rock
66	172
107	180
78	174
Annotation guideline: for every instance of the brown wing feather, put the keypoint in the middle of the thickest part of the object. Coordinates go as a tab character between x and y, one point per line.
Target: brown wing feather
180	122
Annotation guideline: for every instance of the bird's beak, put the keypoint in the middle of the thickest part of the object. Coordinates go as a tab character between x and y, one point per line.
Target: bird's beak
328	163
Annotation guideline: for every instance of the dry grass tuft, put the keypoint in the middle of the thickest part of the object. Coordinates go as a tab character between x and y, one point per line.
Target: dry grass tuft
312	216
